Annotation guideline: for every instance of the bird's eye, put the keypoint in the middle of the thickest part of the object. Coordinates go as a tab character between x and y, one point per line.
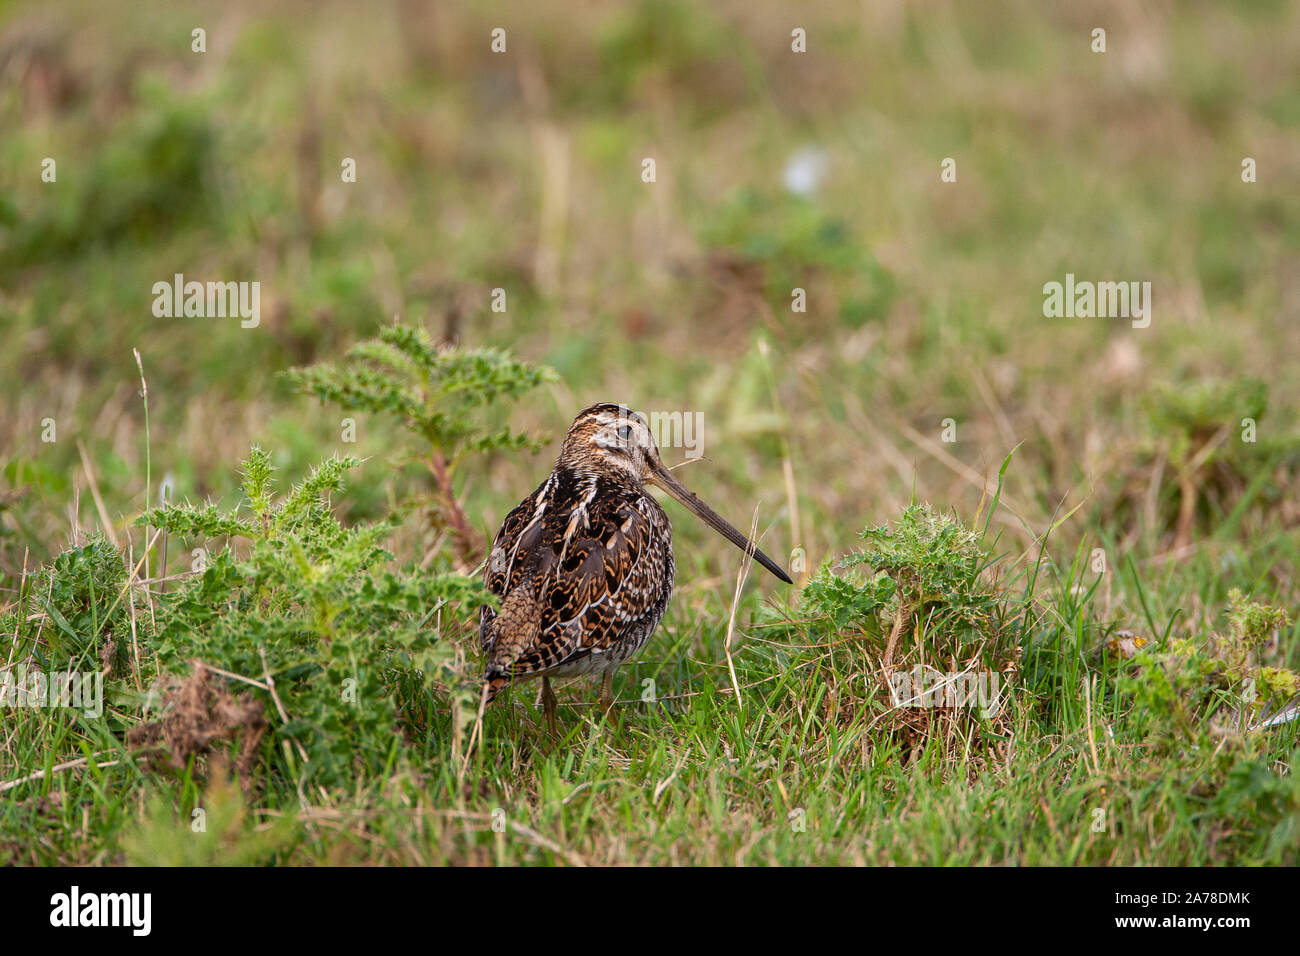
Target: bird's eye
625	433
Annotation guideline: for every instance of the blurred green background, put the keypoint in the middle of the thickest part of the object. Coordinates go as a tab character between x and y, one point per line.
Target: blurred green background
775	170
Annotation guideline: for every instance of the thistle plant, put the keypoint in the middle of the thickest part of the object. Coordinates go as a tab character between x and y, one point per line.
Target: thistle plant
313	618
445	397
924	570
74	613
916	596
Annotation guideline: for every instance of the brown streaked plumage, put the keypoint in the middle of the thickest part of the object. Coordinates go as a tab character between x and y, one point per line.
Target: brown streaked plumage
584	565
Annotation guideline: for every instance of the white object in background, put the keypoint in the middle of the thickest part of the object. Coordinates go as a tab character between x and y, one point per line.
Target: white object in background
805	170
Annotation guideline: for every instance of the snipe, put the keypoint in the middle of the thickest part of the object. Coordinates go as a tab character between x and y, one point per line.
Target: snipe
584	565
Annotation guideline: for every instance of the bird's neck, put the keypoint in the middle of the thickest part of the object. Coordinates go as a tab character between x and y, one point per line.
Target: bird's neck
583	480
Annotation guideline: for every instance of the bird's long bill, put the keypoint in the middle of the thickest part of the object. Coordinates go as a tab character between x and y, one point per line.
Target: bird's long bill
662	477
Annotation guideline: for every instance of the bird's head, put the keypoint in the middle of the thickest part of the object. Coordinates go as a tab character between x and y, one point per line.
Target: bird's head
615	441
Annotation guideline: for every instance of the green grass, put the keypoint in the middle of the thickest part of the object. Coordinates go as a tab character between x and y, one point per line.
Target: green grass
924	304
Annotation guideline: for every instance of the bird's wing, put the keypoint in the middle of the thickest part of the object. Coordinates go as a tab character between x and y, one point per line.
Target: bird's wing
520	532
604	573
519	535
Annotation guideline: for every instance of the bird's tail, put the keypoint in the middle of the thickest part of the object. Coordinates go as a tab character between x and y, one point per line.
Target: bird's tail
495	681
513	632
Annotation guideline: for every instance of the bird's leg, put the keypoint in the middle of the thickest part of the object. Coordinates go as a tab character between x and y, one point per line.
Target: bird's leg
548	705
607	693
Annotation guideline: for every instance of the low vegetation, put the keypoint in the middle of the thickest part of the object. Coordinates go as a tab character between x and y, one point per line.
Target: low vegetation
1067	634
